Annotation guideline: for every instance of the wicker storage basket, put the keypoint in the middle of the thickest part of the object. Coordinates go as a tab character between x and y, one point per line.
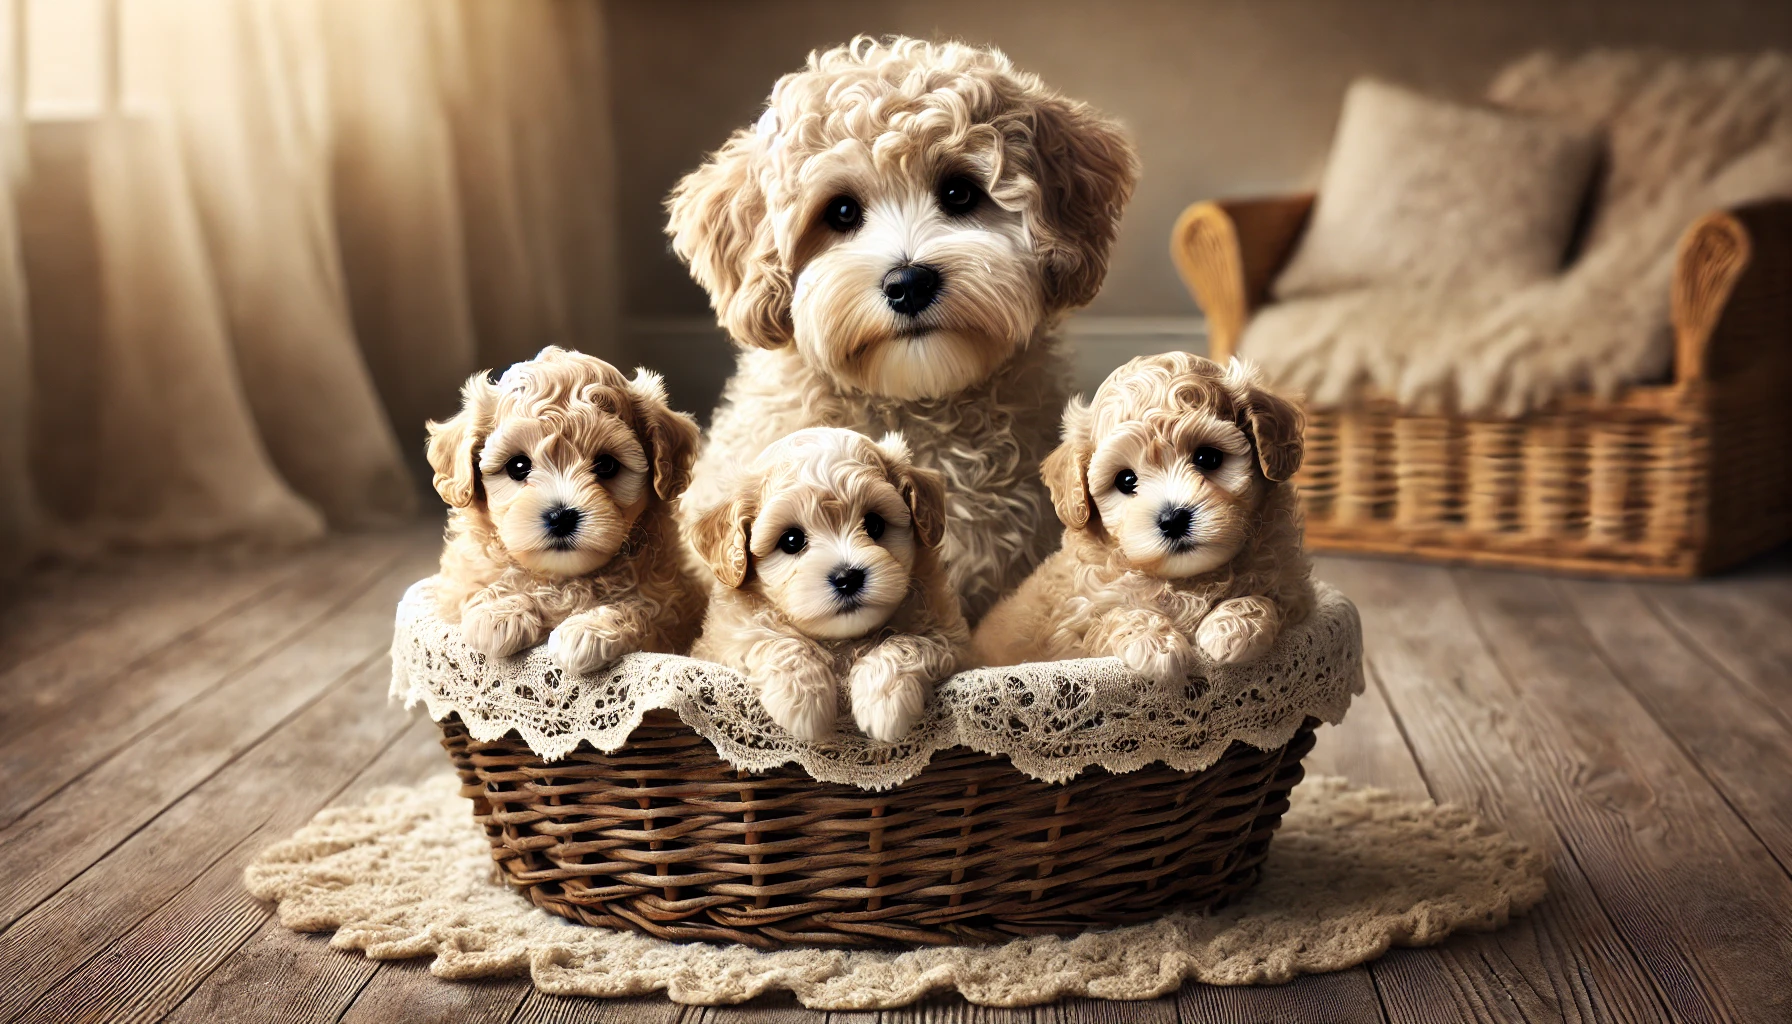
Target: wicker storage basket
665	837
1676	479
656	796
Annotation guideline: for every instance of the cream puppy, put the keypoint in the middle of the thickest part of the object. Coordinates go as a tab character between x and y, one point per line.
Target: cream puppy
893	246
827	570
1180	529
562	479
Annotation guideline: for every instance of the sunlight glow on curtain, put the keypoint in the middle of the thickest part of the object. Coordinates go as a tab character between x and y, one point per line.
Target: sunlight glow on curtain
234	285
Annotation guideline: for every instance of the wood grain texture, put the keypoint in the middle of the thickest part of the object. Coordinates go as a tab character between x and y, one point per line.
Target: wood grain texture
78	676
297	977
954	1010
91	719
129	937
1347	997
1107	1011
1566	960
404	990
1734	735
1646	821
44	608
1743	626
56	841
546	1009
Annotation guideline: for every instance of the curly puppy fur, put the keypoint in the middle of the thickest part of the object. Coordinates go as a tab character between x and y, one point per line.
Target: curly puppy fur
893	245
1180	529
827	573
563	480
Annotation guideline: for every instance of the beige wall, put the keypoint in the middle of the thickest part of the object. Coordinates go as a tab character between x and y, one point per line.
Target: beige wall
1222	97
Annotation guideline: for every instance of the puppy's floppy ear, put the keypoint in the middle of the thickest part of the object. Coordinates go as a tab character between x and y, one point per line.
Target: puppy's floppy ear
1066	469
454	443
721	536
923	491
671	436
1087	169
1275	424
720	225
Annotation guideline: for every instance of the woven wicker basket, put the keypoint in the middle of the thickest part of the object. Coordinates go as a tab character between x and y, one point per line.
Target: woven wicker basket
665	837
1677	479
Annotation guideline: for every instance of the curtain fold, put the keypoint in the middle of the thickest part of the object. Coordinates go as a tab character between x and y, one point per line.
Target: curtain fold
231	297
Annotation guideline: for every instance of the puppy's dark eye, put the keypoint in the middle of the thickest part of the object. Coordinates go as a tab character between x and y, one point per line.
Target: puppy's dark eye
842	213
959	195
1126	481
874	525
1208	458
792	540
518	467
606	466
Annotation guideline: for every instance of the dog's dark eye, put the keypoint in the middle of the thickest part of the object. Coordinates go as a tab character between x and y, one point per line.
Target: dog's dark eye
518	467
1126	481
792	540
606	466
874	525
1208	458
959	195
843	213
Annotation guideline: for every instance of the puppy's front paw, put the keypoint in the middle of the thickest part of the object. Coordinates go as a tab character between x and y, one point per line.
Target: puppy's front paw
887	699
1162	657
588	641
1153	648
1240	630
499	630
800	697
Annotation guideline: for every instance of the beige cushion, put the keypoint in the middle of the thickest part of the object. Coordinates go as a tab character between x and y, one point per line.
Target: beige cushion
1420	191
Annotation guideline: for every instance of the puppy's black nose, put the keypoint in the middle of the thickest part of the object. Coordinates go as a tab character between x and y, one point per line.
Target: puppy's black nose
847	582
912	288
561	520
1173	523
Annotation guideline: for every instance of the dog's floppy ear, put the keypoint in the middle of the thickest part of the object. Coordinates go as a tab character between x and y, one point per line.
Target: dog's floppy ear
923	491
671	436
721	226
454	443
1066	469
1275	424
1087	169
722	536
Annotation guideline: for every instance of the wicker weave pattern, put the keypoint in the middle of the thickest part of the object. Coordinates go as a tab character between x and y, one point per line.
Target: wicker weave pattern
666	838
1669	480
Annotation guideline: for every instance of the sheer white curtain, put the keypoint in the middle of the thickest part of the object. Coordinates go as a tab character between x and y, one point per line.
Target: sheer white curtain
231	292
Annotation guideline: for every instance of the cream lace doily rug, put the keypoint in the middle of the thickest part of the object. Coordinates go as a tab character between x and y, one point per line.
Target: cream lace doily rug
1052	720
1351	873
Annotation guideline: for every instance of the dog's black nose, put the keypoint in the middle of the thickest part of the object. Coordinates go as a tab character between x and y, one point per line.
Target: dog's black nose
912	288
847	582
561	520
1173	523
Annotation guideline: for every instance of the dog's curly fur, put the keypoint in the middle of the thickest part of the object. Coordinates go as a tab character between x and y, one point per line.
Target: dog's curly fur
975	378
1162	555
844	504
617	583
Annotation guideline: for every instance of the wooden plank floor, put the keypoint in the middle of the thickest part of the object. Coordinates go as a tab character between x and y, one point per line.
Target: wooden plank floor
164	720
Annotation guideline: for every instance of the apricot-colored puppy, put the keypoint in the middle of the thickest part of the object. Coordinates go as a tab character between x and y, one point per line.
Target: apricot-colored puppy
828	574
1181	530
563	478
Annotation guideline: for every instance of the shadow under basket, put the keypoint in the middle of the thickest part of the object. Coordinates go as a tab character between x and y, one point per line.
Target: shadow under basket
665	837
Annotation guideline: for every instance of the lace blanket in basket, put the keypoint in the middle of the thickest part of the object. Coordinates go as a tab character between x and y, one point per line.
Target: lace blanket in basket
1051	719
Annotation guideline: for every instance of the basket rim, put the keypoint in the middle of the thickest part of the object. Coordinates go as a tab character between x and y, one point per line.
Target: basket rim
1050	720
